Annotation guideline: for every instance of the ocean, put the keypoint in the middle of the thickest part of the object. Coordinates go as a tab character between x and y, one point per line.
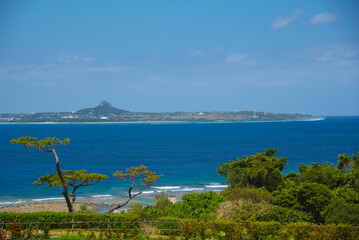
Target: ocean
187	154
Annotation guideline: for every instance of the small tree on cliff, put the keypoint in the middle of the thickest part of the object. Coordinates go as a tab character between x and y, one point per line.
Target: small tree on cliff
139	178
75	179
48	145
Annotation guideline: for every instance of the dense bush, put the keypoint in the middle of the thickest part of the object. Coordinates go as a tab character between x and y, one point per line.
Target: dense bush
343	213
62	220
192	228
243	210
325	174
285	215
200	205
308	197
260	170
251	194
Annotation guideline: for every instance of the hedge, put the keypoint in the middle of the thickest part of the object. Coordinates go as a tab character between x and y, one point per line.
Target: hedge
64	220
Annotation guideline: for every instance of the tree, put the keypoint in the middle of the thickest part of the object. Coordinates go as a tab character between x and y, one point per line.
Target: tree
260	170
75	179
161	200
325	174
308	197
350	165
139	178
199	205
48	145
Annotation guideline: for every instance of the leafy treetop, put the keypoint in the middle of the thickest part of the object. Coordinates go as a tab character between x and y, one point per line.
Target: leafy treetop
139	178
260	170
75	179
47	144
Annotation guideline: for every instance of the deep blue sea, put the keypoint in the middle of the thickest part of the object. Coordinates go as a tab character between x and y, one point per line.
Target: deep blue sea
187	154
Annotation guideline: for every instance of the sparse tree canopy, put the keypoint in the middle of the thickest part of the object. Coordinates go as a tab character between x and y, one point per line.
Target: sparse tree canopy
350	165
75	179
139	179
48	145
260	170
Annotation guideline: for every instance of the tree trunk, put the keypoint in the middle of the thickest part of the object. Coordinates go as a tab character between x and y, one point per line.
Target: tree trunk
118	206
64	183
73	197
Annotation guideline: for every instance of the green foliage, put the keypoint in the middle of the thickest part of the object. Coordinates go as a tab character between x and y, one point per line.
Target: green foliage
139	178
261	230
347	193
161	200
191	228
223	229
350	165
243	210
135	208
325	174
343	213
199	205
308	197
141	173
74	179
62	218
260	170
43	144
251	194
48	145
172	224
286	215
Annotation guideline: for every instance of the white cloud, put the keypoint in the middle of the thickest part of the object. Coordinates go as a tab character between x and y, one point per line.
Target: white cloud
239	59
325	17
236	58
284	21
69	59
197	53
337	54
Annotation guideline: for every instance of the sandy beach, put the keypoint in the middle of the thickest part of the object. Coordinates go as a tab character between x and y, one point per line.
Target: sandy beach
47	207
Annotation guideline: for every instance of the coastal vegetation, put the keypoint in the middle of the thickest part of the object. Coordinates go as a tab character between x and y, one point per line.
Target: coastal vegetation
320	201
74	179
139	179
48	145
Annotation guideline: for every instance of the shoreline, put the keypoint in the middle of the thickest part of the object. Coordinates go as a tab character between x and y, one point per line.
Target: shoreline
176	122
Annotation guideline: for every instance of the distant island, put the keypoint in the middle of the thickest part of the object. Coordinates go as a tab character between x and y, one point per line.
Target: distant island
105	112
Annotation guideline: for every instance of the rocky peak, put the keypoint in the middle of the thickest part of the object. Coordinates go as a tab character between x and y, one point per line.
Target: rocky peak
103	103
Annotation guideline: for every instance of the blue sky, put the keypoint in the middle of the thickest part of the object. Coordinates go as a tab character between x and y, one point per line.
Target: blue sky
271	56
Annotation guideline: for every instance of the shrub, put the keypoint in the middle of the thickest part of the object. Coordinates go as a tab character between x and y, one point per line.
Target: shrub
191	228
344	213
161	200
250	194
135	208
308	197
285	215
200	205
62	220
260	230
243	210
230	229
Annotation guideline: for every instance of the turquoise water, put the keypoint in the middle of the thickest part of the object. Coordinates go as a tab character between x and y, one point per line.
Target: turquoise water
186	153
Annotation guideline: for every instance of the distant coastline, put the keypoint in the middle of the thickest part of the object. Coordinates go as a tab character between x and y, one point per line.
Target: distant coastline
175	122
106	113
